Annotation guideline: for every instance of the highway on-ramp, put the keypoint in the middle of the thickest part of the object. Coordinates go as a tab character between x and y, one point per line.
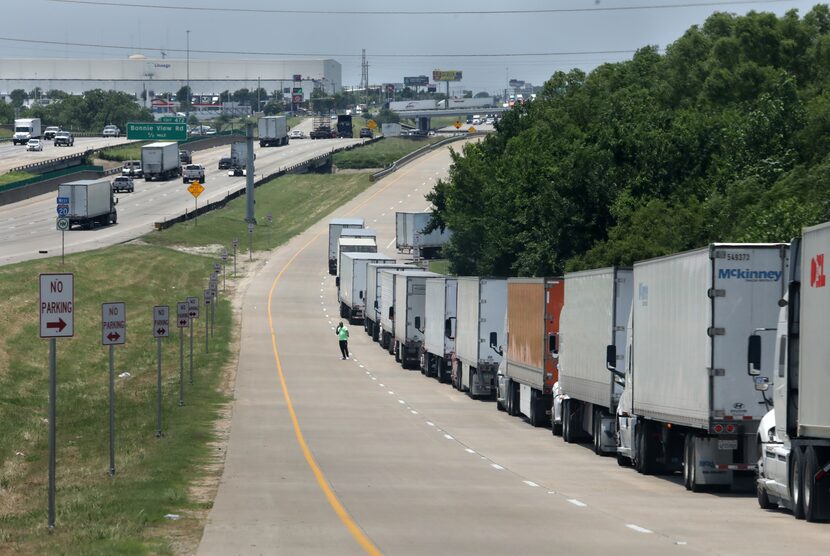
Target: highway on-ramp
28	227
360	456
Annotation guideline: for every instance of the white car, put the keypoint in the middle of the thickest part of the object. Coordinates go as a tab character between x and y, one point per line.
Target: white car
296	134
111	131
34	145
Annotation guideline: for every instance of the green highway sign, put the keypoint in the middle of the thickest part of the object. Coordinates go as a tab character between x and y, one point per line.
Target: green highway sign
156	131
173	119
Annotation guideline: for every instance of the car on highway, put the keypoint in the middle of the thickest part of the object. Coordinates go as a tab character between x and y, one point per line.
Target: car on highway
185	157
123	184
225	163
111	131
64	139
34	145
193	172
296	134
132	169
365	133
50	132
236	171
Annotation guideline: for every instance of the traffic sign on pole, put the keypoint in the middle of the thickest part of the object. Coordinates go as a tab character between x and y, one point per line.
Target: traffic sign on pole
156	131
113	323
62	223
161	321
195	188
217	267
193	307
57	305
181	314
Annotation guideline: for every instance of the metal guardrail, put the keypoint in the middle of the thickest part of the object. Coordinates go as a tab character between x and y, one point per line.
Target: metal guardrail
395	166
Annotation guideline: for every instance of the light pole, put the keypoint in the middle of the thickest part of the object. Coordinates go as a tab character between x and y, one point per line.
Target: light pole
189	95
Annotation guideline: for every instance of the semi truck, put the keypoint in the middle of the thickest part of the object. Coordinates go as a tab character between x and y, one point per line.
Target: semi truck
440	327
160	161
530	370
239	158
335	226
354	245
408	316
344	126
273	131
482	305
688	403
794	436
410	236
25	129
374	295
321	128
351	291
359	232
595	315
399	105
91	202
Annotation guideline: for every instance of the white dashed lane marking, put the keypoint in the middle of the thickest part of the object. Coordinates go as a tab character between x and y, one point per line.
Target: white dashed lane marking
577	503
638	528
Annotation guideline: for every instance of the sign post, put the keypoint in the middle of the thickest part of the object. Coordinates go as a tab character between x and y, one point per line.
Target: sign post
212	288
62	223
161	329
181	322
224	267
235	245
113	333
57	320
192	313
207	300
250	241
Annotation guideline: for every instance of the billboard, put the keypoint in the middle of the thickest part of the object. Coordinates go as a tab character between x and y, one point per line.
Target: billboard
446	75
416	81
516	83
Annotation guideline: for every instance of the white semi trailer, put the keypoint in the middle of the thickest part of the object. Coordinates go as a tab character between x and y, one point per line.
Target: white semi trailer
374	295
408	315
272	131
351	284
482	306
335	227
410	235
597	303
688	403
160	161
90	202
794	437
440	327
354	245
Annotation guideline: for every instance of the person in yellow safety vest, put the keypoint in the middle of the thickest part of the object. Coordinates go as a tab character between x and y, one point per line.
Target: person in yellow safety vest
343	336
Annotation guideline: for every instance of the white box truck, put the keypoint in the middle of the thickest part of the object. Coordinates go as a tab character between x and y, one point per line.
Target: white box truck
354	245
374	294
595	315
91	202
335	226
399	105
440	327
160	161
688	403
359	232
351	284
408	316
794	465
410	236
25	129
272	131
482	306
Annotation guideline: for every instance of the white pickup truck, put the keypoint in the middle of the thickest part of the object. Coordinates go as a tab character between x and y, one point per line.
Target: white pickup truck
193	172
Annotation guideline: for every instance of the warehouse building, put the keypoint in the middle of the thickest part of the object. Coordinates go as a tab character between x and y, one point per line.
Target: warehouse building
138	74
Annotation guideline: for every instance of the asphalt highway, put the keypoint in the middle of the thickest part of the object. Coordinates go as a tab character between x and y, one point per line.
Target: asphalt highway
362	457
12	156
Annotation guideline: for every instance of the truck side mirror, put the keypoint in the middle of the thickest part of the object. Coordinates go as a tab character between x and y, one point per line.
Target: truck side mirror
449	328
391	312
611	363
375	304
553	348
418	323
753	355
494	343
337	281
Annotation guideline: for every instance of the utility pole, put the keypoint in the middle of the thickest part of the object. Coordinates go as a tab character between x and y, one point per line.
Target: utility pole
189	94
249	174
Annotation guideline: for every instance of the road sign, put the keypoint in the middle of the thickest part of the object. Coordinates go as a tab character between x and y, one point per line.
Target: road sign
63	200
457	124
269	218
471	129
208	296
196	188
193	307
173	119
113	323
62	224
161	321
225	255
213	287
250	228
372	124
57	305
235	242
182	320
156	131
63	209
217	267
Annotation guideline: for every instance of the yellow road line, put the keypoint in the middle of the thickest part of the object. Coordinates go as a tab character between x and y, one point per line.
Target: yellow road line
362	539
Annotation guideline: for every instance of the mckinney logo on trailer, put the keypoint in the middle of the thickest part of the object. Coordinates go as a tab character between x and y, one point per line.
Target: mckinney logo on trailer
749	275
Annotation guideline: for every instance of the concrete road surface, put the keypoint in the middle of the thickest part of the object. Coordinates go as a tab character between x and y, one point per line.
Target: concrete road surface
12	156
28	227
360	456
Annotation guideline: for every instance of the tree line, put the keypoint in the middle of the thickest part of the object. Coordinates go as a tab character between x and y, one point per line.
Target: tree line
724	137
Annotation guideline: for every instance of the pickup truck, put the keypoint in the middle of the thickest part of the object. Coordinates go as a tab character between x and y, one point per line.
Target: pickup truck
193	172
50	132
123	184
131	168
65	139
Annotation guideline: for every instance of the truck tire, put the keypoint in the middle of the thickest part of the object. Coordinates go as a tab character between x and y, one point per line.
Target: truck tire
645	449
694	485
566	421
623	461
812	495
596	434
113	217
470	378
397	348
514	398
797	484
763	499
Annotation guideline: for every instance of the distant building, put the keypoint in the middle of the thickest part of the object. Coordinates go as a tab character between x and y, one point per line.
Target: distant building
139	74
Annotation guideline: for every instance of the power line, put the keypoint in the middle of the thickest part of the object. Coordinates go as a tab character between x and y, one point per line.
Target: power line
321	54
283	11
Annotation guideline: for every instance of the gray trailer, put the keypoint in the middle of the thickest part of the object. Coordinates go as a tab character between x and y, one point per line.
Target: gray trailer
351	284
273	131
91	202
374	295
408	315
335	227
411	238
440	327
160	161
482	306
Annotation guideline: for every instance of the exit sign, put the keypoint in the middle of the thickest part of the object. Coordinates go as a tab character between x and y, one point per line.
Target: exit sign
156	131
173	119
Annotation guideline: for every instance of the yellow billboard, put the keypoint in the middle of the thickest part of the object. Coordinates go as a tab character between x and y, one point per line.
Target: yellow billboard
444	75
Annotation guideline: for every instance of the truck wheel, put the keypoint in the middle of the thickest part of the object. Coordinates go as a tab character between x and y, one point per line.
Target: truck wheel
763	499
398	358
797	485
645	459
113	217
694	486
623	461
812	496
566	421
687	461
423	362
595	433
555	428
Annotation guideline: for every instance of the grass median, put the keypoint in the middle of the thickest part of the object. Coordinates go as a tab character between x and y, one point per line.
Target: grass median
120	153
381	153
96	513
12	177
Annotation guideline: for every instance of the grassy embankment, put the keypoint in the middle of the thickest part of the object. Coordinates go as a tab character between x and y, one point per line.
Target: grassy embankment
440	266
11	177
98	514
380	154
120	153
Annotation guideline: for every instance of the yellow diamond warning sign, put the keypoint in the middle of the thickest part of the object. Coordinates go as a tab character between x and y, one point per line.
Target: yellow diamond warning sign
196	189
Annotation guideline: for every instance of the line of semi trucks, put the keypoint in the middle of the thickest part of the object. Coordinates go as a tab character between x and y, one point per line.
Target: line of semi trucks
711	364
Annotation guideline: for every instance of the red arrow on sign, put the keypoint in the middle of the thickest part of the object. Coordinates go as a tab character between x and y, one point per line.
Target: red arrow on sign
113	336
60	325
160	331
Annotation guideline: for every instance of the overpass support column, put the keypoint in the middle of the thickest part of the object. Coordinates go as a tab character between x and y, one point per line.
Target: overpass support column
423	123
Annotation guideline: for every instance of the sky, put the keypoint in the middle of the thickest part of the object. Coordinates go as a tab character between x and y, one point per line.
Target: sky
561	34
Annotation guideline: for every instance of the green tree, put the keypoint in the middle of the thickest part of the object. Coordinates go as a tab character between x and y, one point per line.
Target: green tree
18	97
